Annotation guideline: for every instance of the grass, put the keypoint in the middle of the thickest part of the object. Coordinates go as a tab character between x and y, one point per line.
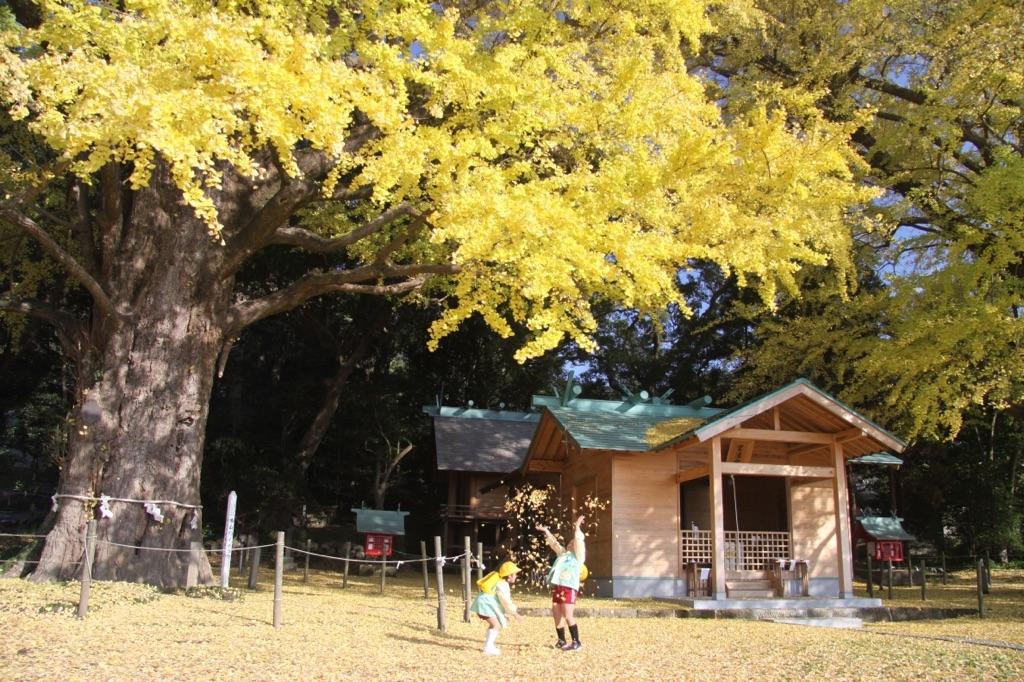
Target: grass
135	632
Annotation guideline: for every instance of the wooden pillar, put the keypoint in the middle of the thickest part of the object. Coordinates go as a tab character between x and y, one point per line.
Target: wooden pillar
842	511
717	587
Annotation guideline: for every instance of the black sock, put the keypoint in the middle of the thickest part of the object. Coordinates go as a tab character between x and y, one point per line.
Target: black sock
561	634
574	631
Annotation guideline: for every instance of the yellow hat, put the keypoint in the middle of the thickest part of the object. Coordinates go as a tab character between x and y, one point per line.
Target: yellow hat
507	569
584	572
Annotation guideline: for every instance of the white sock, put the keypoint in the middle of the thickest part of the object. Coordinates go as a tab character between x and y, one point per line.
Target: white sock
492	637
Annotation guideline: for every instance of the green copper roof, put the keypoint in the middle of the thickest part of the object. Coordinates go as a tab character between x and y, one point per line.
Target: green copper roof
609	430
475	413
884	527
380	521
878	458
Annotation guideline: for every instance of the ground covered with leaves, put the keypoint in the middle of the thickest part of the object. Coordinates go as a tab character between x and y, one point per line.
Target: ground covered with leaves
135	632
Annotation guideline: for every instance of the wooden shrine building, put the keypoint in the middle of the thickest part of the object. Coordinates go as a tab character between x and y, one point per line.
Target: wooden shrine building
703	502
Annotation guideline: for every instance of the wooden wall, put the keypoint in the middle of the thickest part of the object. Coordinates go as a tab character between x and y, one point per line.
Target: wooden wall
812	511
585	473
646	515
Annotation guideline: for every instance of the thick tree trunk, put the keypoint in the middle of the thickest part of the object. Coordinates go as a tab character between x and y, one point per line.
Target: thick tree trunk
146	387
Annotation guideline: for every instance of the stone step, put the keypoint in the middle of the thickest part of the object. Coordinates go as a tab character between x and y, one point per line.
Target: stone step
833	622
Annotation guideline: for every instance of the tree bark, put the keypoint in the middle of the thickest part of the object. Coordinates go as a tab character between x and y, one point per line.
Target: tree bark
164	309
143	399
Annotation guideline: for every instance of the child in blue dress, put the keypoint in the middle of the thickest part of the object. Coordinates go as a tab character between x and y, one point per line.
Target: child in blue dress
493	605
564	579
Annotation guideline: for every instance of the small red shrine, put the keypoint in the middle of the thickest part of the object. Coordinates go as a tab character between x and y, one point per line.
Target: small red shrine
884	536
379	528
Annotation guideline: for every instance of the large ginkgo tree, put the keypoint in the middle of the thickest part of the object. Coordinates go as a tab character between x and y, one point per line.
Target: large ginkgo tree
519	160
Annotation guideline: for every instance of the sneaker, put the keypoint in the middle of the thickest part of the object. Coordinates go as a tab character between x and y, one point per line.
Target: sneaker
574	645
560	644
492	651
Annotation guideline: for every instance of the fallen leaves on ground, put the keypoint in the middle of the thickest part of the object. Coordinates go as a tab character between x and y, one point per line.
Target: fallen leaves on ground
134	632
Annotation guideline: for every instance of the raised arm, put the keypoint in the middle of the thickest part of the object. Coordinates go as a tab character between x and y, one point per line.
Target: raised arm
580	541
551	540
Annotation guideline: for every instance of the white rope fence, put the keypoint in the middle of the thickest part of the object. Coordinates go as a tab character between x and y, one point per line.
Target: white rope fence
155	508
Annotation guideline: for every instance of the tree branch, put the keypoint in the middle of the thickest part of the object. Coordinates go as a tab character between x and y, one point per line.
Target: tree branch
353	281
898	91
54	249
294	236
70	331
314	165
82	227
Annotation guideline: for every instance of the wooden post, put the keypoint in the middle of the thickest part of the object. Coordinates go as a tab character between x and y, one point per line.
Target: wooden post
890	579
987	575
840	496
924	582
254	567
305	572
229	534
717	587
346	551
441	623
87	558
871	574
278	578
383	571
466	577
195	556
981	591
426	580
242	553
943	568
479	561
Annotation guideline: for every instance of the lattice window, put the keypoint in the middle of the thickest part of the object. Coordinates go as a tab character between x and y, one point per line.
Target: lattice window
744	550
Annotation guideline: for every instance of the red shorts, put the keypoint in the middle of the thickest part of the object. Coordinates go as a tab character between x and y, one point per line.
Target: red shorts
563	595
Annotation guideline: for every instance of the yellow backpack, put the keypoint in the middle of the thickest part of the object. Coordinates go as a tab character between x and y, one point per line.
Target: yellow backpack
488	582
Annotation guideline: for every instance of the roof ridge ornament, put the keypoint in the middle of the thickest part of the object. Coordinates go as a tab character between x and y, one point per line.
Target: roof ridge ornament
572	391
637	399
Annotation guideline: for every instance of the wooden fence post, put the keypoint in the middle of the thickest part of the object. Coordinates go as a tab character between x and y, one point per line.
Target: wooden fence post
278	578
981	591
871	574
441	622
346	551
479	561
467	575
426	580
890	579
87	558
987	584
242	554
195	555
924	582
254	566
383	571
305	572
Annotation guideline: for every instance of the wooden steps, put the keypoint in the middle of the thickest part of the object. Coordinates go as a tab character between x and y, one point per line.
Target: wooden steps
750	589
750	585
